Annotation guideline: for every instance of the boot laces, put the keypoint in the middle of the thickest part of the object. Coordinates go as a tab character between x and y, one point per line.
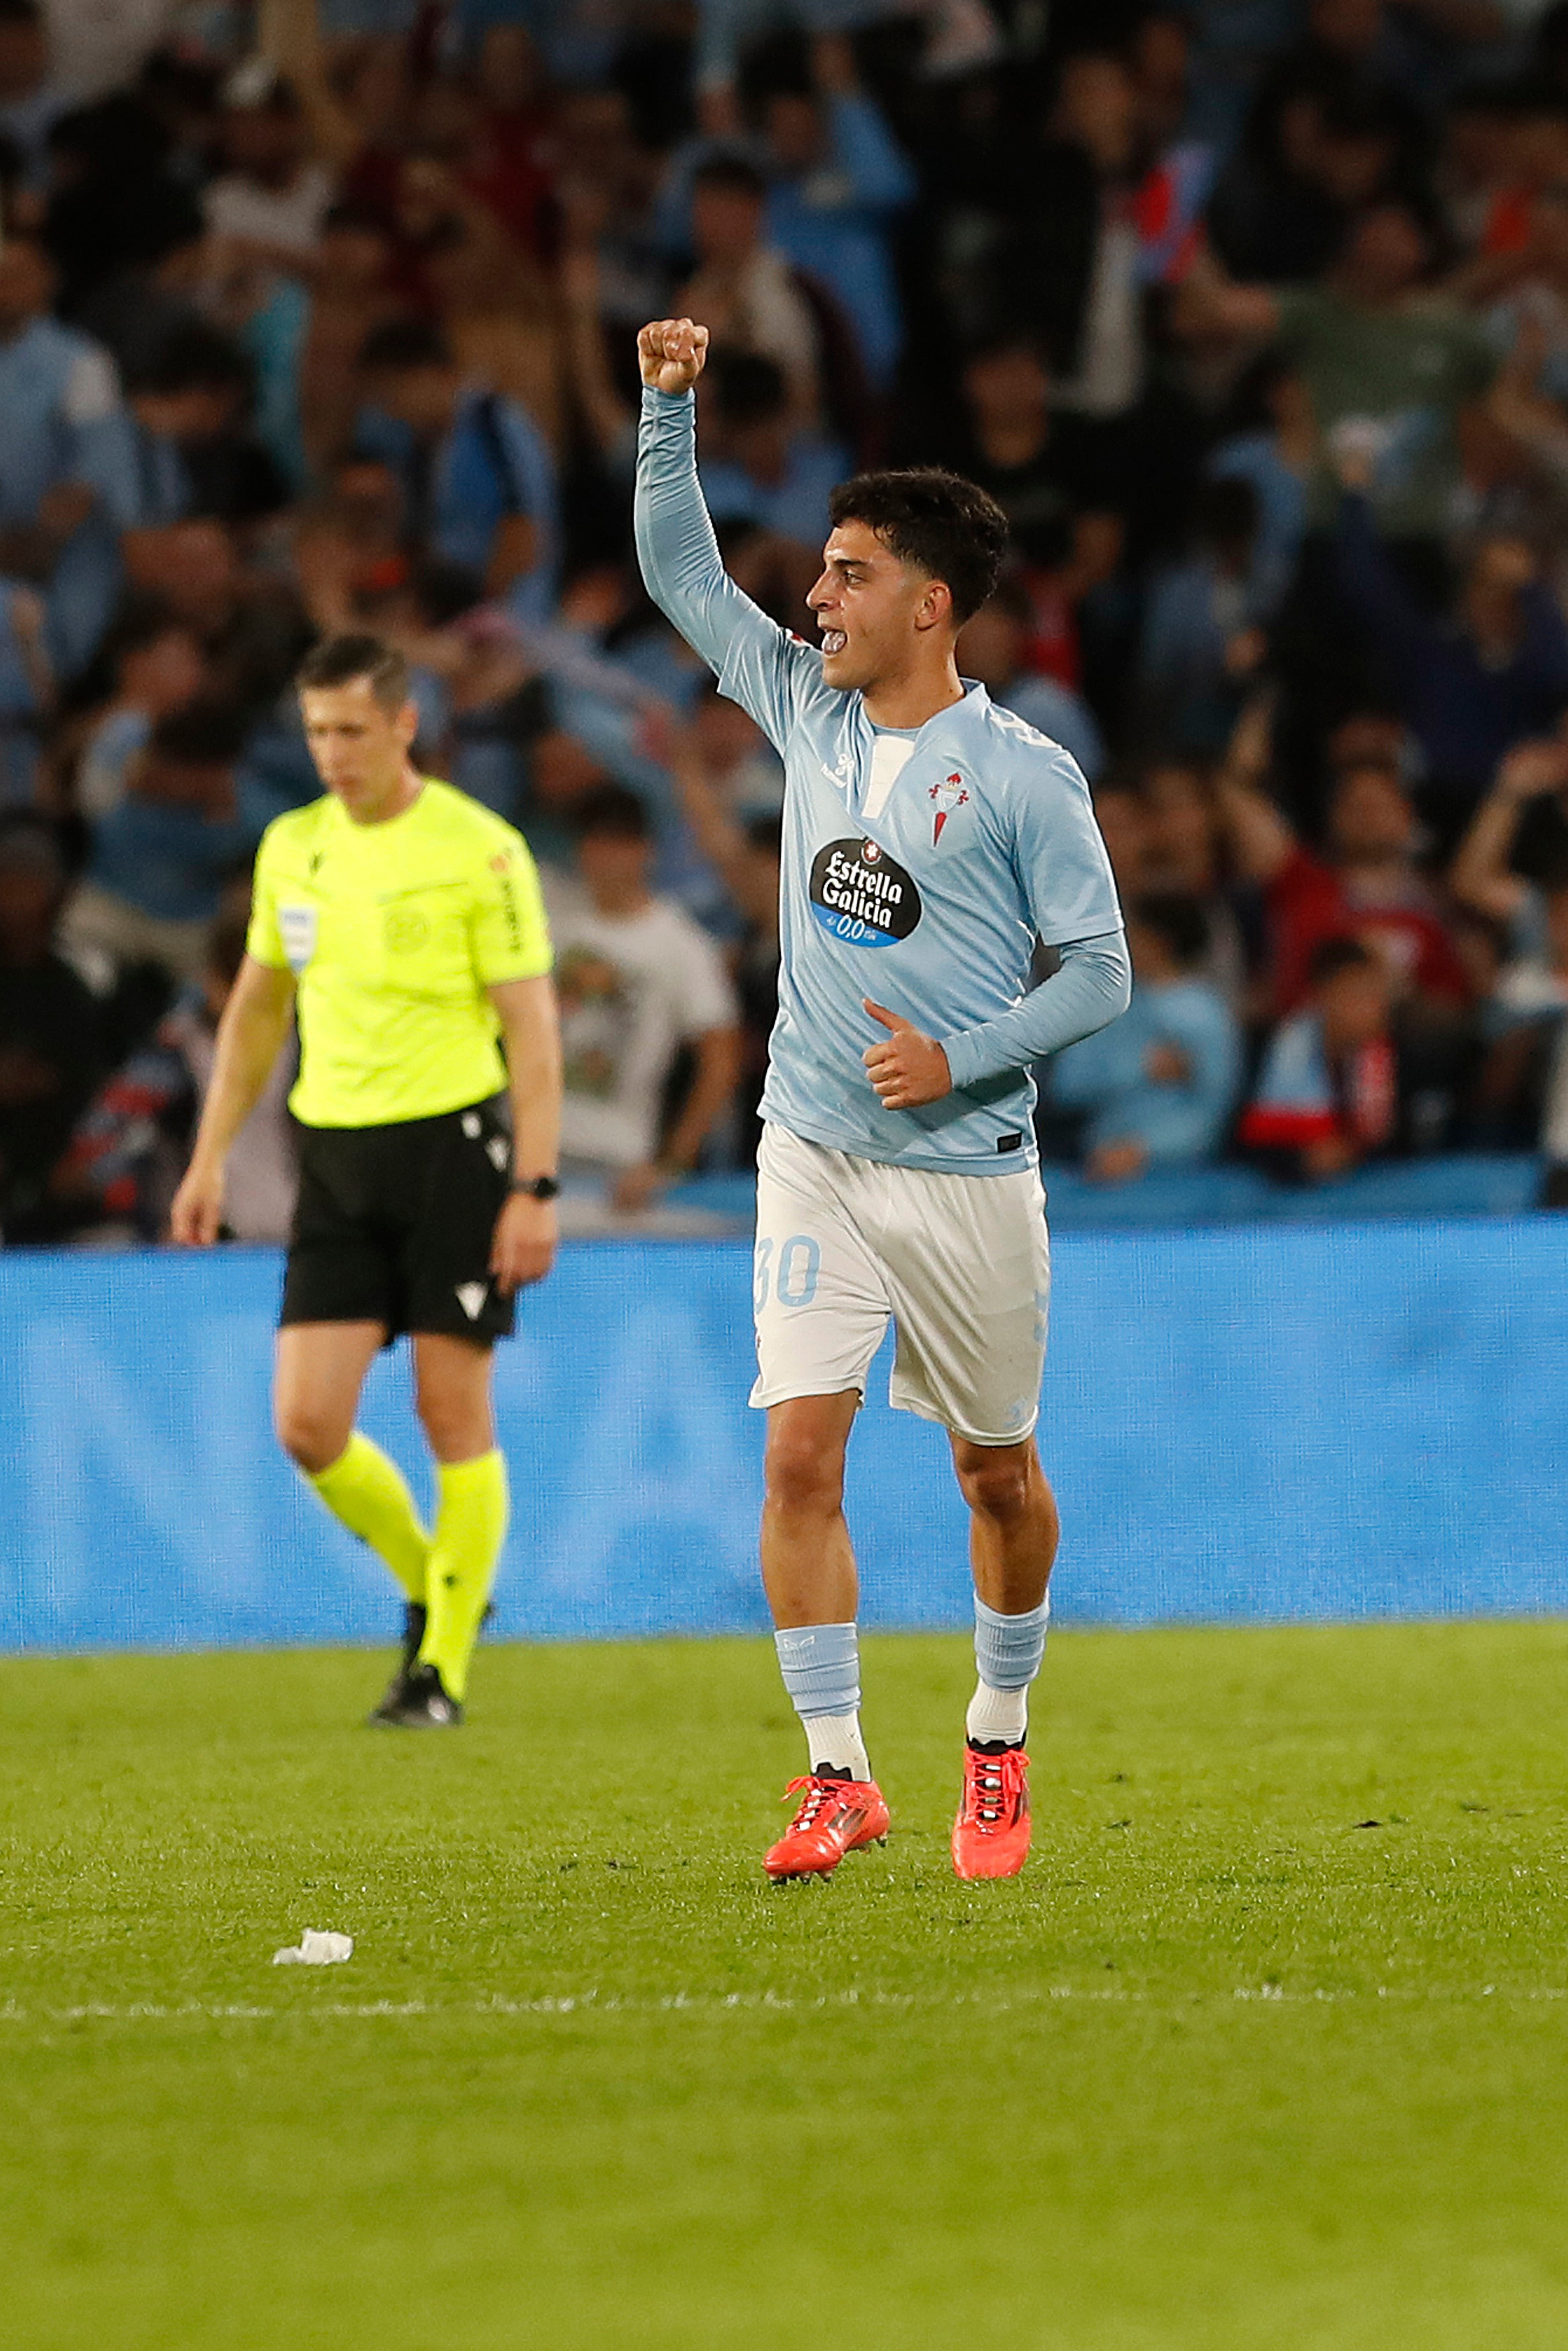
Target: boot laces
817	1796
993	1785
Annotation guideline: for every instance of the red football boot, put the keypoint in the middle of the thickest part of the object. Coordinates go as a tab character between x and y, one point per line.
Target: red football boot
991	1835
835	1817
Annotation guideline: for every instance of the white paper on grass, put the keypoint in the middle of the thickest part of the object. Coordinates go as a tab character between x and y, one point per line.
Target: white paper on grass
315	1948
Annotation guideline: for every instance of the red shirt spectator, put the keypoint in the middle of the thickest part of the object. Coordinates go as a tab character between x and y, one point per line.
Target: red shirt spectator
1368	887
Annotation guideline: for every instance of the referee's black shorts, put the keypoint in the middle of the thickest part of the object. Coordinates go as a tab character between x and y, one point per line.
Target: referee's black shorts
394	1224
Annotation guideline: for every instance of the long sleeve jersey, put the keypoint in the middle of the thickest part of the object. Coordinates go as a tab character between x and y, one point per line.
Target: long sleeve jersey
918	867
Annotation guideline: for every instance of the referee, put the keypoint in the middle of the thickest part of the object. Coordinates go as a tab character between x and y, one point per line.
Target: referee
401	923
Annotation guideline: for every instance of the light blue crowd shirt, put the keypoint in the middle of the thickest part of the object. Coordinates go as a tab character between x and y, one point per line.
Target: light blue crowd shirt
917	867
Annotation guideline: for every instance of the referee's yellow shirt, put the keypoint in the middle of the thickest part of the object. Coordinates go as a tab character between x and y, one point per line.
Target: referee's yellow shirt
393	933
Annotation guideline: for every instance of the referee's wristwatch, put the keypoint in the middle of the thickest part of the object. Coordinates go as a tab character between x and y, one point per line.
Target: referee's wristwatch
537	1188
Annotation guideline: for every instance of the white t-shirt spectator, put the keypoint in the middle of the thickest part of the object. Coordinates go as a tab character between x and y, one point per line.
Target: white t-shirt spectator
289	218
634	990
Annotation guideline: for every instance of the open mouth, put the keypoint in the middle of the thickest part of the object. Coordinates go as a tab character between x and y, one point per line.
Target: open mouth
833	641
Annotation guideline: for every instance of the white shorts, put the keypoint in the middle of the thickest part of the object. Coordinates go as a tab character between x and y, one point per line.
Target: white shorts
960	1263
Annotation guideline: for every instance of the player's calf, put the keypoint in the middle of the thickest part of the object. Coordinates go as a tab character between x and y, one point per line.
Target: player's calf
841	1807
991	1833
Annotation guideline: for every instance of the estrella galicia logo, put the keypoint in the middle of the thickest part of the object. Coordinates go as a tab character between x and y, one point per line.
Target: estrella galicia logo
863	895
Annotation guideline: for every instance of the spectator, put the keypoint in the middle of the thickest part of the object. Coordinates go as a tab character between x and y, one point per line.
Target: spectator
1531	794
31	102
746	852
129	1150
1159	1085
350	295
1328	1098
1318	149
157	669
763	469
835	183
1205	629
50	1042
1468	685
514	154
991	648
742	288
251	623
740	763
272	195
638	980
1054	478
1052	475
67	474
1273	448
1069	271
197	454
119	205
1369	887
160	858
563	779
1185	852
477	481
1122	816
1382	357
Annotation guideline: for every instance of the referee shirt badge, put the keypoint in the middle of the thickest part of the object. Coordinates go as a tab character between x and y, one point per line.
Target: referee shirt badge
296	929
406	930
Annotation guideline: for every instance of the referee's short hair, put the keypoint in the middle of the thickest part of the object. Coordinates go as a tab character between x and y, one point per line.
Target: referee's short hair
947	527
341	660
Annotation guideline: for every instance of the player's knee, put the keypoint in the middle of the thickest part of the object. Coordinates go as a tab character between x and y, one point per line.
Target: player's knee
312	1440
803	1475
996	1485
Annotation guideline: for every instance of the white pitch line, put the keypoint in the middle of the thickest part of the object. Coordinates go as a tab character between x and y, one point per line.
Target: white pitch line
594	2003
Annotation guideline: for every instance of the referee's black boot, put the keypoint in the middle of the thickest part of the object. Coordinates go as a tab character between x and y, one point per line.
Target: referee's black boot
422	1704
396	1690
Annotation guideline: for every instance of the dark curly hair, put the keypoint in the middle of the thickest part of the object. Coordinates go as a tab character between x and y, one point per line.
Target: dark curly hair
945	525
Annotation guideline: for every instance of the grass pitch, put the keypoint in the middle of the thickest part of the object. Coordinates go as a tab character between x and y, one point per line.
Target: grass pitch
1268	2047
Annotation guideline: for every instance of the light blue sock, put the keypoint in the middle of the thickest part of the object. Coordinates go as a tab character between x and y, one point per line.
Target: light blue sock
821	1668
1007	1651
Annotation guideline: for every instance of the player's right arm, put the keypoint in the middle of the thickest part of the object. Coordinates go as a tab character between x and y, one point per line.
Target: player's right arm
250	1036
758	664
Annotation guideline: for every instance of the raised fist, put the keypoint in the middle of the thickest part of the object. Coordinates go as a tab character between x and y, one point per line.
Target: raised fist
670	352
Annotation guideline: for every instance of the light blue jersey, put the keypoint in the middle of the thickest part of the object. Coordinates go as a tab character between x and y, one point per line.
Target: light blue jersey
917	868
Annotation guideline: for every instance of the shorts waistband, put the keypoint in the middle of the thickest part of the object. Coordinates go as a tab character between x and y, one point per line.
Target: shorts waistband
410	1125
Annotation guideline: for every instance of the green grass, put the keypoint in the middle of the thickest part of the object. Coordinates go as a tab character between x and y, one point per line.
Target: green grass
1268	2048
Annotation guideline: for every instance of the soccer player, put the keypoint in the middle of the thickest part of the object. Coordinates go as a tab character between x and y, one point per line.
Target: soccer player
928	837
404	922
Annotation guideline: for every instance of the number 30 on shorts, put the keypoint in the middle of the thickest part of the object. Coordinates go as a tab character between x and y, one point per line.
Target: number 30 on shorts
793	1279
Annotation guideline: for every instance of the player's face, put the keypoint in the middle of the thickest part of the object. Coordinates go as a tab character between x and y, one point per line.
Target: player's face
873	609
361	749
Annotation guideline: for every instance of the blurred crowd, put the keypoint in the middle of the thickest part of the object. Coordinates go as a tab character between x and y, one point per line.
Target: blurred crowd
1253	314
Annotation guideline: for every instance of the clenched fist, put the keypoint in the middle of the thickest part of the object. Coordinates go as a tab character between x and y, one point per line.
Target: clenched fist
670	352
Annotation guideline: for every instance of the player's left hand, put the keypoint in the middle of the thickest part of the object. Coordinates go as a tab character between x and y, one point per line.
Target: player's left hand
527	1233
907	1069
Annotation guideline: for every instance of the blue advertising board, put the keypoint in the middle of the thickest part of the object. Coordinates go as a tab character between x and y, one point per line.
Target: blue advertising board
1265	1423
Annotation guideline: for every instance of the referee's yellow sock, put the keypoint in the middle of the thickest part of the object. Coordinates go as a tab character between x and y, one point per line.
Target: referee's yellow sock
470	1528
369	1495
